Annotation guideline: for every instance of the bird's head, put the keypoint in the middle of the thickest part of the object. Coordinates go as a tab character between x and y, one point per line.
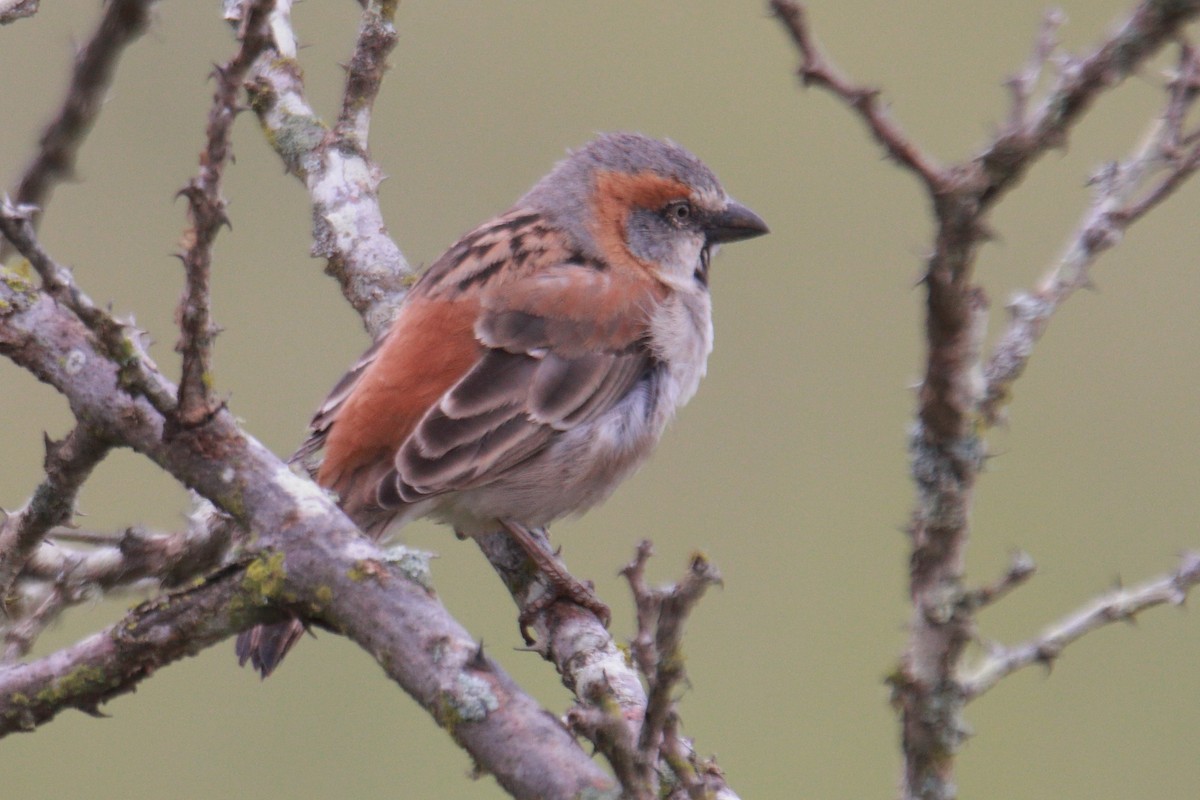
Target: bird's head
629	199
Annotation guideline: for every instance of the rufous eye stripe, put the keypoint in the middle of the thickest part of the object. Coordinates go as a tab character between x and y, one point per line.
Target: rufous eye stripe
618	193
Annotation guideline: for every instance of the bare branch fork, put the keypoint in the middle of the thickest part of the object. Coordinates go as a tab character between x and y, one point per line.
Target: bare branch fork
955	406
1118	605
306	552
309	558
68	464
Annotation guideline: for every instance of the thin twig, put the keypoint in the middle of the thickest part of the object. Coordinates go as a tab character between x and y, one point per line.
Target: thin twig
1152	24
1023	84
206	210
68	464
78	536
675	604
657	651
132	556
120	341
95	64
816	70
20	635
699	778
56	576
1020	569
364	74
1124	193
1118	605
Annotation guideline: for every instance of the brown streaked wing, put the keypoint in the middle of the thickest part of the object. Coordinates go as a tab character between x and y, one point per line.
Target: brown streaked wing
567	343
486	255
318	427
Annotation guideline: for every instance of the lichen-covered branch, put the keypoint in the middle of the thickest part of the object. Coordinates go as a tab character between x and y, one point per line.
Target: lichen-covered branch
364	73
122	343
590	663
342	181
113	661
310	558
955	404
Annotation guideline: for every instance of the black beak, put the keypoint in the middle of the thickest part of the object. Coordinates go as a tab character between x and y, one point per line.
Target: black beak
734	223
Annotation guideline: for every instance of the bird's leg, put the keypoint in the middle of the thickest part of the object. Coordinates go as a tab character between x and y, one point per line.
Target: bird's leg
562	583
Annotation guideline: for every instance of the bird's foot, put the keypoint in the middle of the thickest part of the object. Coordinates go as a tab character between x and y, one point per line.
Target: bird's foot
562	584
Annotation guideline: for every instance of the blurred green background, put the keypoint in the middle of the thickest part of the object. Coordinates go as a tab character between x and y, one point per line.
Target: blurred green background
788	469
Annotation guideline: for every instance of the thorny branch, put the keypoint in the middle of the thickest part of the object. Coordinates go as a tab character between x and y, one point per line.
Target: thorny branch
68	464
1123	193
1118	605
1020	569
954	406
113	661
121	342
57	576
206	210
309	559
95	64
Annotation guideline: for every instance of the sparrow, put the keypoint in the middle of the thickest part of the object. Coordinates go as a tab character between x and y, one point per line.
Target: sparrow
534	365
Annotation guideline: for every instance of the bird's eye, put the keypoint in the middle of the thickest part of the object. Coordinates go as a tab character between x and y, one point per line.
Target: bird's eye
678	211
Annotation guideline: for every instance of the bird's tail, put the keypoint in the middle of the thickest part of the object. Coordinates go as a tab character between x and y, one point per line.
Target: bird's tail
264	646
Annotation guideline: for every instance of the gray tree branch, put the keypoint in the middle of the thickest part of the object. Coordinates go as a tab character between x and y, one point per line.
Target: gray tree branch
1117	605
955	403
312	560
206	213
95	65
307	559
68	464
